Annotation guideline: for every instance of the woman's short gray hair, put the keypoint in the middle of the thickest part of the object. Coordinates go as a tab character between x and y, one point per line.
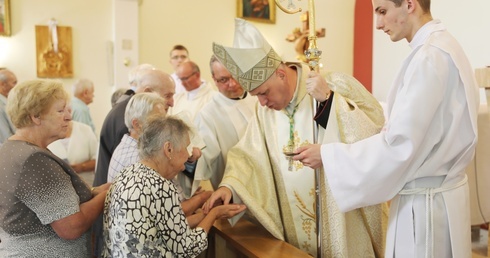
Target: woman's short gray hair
157	131
140	106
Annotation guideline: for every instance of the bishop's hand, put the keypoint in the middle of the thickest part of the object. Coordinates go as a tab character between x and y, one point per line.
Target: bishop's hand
317	87
309	155
221	195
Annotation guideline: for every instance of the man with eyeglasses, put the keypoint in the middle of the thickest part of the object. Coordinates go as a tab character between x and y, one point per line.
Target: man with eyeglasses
197	92
178	55
221	123
280	192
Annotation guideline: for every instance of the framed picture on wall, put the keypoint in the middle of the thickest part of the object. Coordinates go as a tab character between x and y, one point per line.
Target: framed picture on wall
4	17
257	10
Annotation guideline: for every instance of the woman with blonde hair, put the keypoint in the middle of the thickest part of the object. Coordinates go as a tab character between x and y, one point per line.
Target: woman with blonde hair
46	209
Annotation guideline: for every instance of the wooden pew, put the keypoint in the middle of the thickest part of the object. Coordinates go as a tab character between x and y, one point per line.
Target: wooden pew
247	239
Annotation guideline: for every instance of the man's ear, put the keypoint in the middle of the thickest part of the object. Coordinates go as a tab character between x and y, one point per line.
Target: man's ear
135	123
281	73
410	5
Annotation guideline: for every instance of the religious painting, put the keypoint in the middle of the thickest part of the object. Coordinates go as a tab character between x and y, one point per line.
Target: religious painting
4	17
54	52
257	10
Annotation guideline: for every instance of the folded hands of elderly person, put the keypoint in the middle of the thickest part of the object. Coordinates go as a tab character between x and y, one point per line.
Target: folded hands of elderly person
317	87
309	155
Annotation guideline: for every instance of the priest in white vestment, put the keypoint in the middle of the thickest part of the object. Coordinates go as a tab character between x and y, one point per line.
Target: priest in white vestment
279	192
197	92
419	158
221	123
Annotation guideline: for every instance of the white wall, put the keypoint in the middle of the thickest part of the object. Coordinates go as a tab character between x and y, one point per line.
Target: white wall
162	24
468	21
91	27
196	24
165	23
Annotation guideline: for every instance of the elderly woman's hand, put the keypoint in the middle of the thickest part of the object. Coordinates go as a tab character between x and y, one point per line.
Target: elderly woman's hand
100	189
227	211
317	87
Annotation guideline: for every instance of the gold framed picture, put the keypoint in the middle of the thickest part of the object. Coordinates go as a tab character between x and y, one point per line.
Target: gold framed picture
257	10
4	17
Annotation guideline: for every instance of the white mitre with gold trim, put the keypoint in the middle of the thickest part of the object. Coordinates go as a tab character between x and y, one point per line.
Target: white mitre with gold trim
251	60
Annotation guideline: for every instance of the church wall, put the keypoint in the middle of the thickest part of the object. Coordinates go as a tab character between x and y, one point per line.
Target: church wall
165	23
161	25
468	21
91	22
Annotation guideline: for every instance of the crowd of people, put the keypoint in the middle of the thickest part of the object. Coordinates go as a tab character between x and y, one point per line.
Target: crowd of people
135	190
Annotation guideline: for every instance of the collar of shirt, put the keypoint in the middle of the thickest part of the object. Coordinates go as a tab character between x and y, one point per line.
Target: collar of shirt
193	93
3	99
293	101
424	32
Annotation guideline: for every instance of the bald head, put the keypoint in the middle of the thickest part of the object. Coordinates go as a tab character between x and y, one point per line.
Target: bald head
83	89
156	81
190	75
7	81
136	71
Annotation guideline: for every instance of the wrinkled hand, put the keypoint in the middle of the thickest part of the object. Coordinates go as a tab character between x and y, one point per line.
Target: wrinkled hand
229	210
309	155
198	190
196	154
203	196
101	188
317	87
223	194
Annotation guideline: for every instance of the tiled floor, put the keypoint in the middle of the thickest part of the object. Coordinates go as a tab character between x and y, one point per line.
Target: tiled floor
480	248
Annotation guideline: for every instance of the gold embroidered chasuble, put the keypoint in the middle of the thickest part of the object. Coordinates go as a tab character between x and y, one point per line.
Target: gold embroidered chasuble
279	193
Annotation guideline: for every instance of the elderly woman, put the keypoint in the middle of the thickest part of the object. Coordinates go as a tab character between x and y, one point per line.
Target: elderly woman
142	215
46	209
140	107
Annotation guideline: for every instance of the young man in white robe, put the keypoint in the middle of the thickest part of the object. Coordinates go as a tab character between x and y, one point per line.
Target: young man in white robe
221	123
419	158
279	192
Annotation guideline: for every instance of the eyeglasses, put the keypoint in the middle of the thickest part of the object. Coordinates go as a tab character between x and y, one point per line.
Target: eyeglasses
223	80
187	77
179	57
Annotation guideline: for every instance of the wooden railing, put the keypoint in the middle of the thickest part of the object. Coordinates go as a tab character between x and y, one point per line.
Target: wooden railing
247	239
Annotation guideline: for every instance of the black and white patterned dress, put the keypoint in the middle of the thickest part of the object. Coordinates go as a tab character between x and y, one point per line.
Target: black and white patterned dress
143	218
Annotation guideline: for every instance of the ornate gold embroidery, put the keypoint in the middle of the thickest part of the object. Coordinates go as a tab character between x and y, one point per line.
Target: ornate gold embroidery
290	148
308	220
